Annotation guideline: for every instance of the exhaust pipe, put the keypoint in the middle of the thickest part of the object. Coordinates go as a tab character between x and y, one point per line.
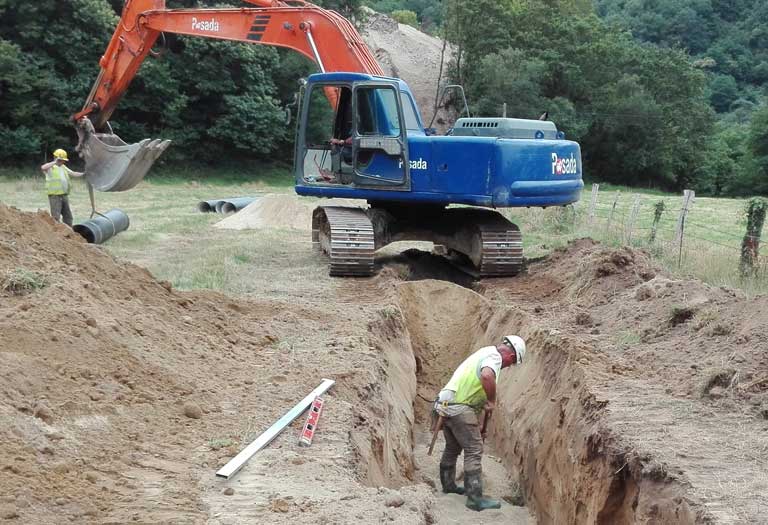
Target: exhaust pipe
103	227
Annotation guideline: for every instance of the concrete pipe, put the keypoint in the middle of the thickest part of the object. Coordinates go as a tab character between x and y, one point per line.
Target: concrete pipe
103	227
207	206
235	205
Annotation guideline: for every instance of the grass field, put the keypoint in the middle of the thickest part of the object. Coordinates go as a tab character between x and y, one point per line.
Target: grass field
711	247
177	243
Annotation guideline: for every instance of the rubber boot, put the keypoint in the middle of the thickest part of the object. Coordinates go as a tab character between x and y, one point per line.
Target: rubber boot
475	499
448	480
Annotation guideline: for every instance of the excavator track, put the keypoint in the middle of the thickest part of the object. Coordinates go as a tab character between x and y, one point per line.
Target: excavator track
346	236
483	243
501	248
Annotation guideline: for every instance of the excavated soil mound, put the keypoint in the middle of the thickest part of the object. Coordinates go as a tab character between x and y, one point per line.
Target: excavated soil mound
551	427
120	397
277	210
407	53
271	211
416	265
683	369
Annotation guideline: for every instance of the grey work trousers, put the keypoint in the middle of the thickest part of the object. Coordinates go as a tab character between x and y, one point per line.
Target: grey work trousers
462	432
60	210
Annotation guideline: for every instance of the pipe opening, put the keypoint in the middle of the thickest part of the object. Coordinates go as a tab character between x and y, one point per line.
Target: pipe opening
85	232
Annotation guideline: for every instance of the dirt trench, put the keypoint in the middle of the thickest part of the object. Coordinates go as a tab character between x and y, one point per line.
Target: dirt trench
549	432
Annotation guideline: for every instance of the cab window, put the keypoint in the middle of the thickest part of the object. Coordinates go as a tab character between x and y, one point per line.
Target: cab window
377	112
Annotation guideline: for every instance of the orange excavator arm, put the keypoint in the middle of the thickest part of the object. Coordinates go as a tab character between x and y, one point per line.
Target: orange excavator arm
319	34
322	35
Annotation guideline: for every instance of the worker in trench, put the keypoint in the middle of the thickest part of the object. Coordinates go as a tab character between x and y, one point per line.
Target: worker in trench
471	390
58	184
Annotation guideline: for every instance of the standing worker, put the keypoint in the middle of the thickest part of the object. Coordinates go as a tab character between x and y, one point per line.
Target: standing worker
57	185
471	389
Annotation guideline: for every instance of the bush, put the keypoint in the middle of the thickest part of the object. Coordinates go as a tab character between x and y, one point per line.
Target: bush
405	16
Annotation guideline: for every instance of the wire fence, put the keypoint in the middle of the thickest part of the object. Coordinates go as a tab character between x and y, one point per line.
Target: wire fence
713	241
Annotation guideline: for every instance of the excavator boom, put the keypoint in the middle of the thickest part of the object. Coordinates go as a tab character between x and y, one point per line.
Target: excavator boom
113	165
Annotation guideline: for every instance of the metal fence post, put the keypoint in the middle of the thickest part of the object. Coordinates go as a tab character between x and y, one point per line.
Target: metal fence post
593	202
633	217
688	196
610	215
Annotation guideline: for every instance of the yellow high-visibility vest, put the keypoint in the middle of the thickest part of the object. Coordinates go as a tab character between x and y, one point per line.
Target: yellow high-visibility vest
57	180
466	380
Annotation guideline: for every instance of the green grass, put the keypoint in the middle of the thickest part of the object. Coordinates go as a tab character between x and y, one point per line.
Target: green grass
177	243
20	281
711	245
275	176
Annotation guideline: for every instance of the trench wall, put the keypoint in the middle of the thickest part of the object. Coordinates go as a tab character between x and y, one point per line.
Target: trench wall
383	433
549	427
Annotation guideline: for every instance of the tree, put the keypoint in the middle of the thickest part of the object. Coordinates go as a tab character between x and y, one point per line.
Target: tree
639	111
723	92
758	147
213	99
405	16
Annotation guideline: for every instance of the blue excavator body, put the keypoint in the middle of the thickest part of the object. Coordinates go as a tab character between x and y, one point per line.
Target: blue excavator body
481	163
361	137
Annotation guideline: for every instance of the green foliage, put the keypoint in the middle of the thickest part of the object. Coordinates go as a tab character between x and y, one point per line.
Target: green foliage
639	111
20	281
404	16
723	92
214	99
728	37
429	13
755	214
758	147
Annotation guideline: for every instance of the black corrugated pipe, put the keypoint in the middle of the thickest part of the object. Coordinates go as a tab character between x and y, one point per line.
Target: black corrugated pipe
208	206
103	226
235	205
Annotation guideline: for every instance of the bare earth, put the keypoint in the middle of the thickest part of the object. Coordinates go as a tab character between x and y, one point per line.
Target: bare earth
644	398
407	53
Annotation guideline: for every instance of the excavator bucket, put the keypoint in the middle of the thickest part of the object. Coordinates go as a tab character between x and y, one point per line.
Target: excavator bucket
113	165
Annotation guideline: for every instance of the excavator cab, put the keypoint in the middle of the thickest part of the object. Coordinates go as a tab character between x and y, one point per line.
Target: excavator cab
352	133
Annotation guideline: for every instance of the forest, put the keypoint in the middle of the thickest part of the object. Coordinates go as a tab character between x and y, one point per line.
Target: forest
660	93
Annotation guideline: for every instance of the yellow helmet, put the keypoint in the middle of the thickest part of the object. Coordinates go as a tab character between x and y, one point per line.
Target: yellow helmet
60	154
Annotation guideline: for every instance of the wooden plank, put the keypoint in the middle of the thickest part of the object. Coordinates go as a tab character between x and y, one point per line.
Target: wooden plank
236	463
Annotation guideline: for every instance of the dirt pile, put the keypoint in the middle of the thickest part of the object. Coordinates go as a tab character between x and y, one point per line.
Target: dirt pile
407	53
643	397
120	397
680	366
277	210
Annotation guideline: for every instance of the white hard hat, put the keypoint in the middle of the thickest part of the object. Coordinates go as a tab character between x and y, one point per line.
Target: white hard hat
517	344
